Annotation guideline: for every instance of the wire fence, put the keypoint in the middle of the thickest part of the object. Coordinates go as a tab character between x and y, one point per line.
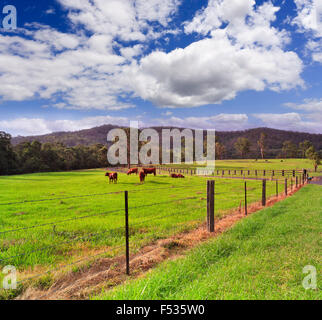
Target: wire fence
235	173
248	193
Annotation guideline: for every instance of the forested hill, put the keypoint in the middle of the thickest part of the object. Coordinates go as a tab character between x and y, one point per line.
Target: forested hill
85	137
274	139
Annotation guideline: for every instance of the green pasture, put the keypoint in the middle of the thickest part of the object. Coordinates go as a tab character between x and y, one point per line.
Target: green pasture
261	257
74	227
251	164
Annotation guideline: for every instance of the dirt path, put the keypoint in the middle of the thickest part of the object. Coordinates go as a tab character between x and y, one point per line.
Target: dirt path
109	272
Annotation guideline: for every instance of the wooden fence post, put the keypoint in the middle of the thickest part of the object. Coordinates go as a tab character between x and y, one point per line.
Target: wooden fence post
286	187
264	193
127	247
277	188
211	206
296	181
245	198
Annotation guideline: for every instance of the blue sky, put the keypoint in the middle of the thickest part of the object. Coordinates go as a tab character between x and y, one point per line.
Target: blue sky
223	64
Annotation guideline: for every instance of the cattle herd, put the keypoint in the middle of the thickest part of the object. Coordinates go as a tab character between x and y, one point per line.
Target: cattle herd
113	177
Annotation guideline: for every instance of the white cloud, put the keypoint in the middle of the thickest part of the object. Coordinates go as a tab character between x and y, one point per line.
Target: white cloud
220	122
240	51
34	126
126	19
247	54
309	16
314	105
312	109
212	70
309	21
130	52
50	11
290	121
79	71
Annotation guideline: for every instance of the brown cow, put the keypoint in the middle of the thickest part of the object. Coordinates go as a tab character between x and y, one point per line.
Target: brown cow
134	170
142	176
112	177
150	171
174	175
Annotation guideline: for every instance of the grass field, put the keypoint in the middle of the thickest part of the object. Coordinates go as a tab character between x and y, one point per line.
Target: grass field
101	228
262	257
49	220
270	164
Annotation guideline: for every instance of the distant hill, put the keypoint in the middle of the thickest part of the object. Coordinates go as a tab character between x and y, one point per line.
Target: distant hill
71	138
274	140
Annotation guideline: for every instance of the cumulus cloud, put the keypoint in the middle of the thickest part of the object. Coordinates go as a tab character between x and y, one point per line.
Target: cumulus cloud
34	126
80	70
312	109
96	68
309	16
290	121
314	105
127	19
247	54
309	21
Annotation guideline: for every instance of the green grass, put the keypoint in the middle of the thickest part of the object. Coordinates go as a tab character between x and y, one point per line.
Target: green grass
146	223
270	164
262	257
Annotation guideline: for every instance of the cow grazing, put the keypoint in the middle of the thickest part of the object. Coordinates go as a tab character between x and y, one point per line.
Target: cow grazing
134	170
150	171
142	176
176	176
112	177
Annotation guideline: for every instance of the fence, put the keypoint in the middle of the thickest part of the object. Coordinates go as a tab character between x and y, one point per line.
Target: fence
241	173
124	232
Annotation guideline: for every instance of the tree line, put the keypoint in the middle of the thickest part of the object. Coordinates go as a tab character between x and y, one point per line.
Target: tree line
33	156
28	157
305	149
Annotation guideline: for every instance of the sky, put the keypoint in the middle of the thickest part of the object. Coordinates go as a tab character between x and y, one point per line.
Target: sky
218	64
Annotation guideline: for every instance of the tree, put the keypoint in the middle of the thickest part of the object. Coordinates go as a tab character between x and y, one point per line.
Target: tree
220	150
289	149
261	143
314	156
305	145
316	161
310	152
242	146
7	156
